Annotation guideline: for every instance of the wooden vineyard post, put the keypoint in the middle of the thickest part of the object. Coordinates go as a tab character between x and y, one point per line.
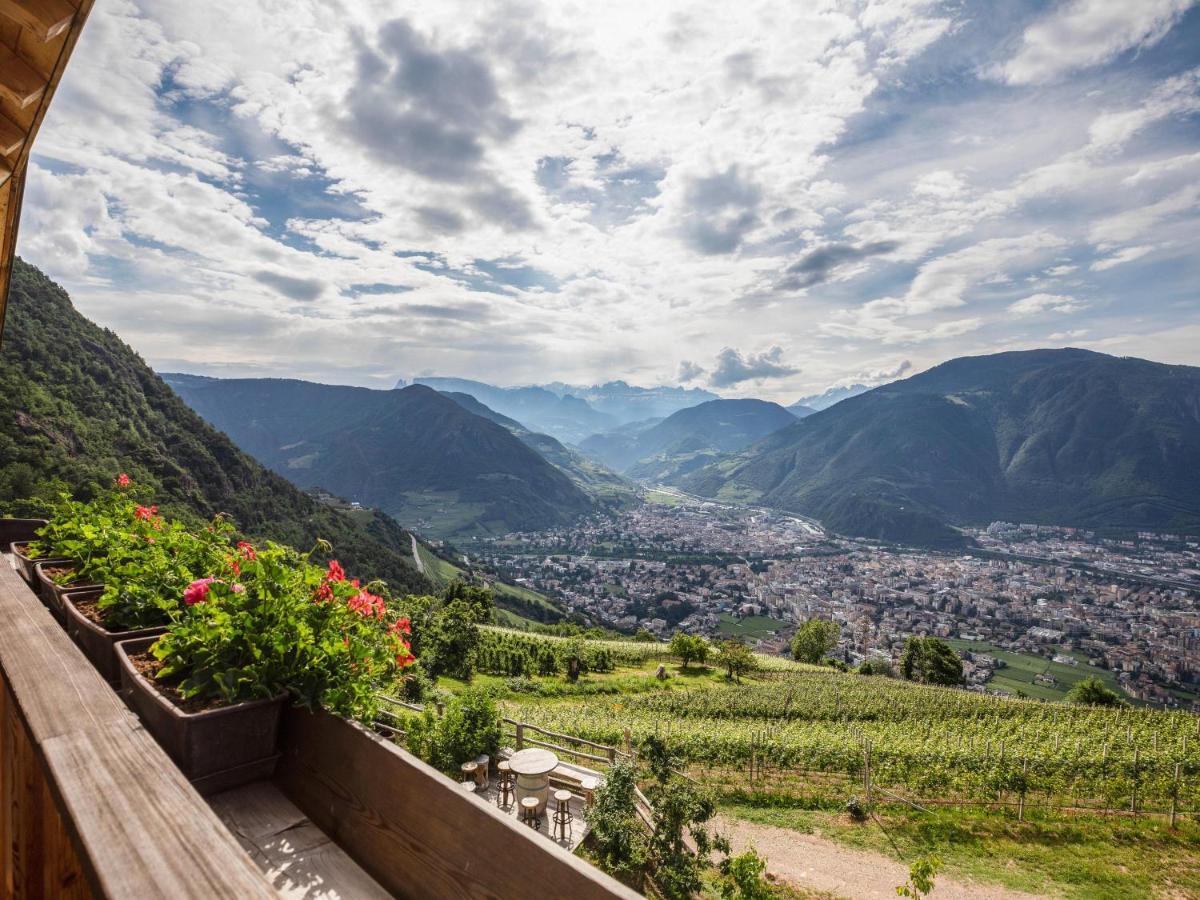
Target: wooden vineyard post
1024	781
628	741
520	735
1133	793
1175	796
867	771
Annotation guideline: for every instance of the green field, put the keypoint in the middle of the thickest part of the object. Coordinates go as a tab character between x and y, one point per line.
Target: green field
749	628
1021	669
441	572
662	498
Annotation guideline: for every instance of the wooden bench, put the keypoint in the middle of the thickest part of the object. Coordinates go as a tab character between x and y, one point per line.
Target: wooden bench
577	778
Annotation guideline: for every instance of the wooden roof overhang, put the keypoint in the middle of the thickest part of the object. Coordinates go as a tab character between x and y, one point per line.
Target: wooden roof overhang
36	40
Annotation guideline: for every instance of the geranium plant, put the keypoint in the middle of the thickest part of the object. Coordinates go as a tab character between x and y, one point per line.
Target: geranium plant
270	621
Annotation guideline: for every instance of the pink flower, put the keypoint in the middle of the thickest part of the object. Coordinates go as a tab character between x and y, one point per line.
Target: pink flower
197	591
367	604
402	626
145	513
247	550
237	588
124	480
336	572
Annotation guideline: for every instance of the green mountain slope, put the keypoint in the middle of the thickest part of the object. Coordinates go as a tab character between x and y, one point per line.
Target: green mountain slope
1053	436
689	438
77	405
414	453
605	487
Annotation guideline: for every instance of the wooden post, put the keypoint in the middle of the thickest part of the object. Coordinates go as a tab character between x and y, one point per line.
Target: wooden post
1133	793
1021	801
628	742
441	709
1175	796
867	771
520	735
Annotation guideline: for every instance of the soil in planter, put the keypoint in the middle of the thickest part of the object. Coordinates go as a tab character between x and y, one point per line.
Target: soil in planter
148	667
90	610
55	572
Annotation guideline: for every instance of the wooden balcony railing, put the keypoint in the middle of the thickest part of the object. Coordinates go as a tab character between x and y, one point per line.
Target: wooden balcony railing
91	806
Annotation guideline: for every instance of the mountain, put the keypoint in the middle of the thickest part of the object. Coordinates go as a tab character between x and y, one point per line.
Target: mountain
414	453
630	403
566	417
688	438
605	487
799	410
1066	437
831	396
77	406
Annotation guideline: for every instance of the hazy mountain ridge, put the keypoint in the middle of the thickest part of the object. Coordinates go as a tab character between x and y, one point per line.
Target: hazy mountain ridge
1056	436
415	453
688	438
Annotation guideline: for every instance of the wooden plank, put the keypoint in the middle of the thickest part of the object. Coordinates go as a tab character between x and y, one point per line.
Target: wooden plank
295	855
143	830
55	689
45	18
397	816
12	136
19	83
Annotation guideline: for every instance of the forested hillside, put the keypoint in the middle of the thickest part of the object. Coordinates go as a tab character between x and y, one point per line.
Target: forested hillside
77	405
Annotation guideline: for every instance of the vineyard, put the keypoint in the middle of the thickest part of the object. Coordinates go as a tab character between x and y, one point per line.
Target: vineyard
818	734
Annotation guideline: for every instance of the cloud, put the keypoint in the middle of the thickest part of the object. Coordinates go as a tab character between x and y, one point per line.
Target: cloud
432	110
733	368
1085	33
306	289
689	371
817	266
720	210
1038	304
1128	254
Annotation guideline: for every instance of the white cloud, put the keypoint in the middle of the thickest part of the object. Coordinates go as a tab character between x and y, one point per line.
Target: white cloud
1038	304
1083	33
1128	254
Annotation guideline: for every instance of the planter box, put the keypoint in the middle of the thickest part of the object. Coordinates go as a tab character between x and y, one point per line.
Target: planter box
97	642
25	563
19	530
216	749
51	592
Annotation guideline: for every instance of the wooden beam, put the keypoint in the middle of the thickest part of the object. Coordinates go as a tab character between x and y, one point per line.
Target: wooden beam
45	18
19	83
12	136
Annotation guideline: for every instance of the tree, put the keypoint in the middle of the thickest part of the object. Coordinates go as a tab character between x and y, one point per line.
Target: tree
931	661
736	658
1093	692
815	639
877	665
469	727
450	642
616	831
679	805
689	648
920	877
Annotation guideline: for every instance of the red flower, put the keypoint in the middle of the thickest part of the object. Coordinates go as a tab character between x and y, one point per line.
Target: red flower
197	591
336	572
367	604
145	513
402	626
247	550
124	480
324	593
236	566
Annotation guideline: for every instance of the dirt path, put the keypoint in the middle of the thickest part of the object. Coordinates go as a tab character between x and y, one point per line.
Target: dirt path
820	864
417	555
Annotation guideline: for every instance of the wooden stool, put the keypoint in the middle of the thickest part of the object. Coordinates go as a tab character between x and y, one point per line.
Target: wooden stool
504	795
481	771
468	771
529	814
468	786
562	815
589	785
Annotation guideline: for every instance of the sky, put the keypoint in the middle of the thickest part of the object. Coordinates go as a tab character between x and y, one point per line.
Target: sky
762	199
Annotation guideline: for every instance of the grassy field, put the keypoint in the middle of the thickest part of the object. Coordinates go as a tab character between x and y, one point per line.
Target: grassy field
1086	857
662	498
441	572
748	628
1022	668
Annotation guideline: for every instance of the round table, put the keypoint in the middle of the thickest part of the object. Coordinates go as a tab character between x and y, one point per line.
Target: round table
532	768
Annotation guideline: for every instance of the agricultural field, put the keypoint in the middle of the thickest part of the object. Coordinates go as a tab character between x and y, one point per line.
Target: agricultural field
1018	675
748	628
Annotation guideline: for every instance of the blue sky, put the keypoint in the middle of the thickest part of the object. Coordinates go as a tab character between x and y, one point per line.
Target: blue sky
766	199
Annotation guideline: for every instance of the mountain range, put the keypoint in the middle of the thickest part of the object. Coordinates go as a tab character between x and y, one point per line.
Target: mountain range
571	413
662	450
415	453
77	406
1068	437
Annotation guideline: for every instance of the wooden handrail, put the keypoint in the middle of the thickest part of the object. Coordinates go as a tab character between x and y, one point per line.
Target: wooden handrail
91	805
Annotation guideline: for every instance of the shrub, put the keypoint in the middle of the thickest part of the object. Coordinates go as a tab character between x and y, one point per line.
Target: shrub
470	726
1091	691
856	810
616	831
742	877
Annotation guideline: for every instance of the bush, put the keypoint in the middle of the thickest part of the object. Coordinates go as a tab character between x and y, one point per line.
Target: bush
470	726
856	810
742	877
1091	691
616	831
